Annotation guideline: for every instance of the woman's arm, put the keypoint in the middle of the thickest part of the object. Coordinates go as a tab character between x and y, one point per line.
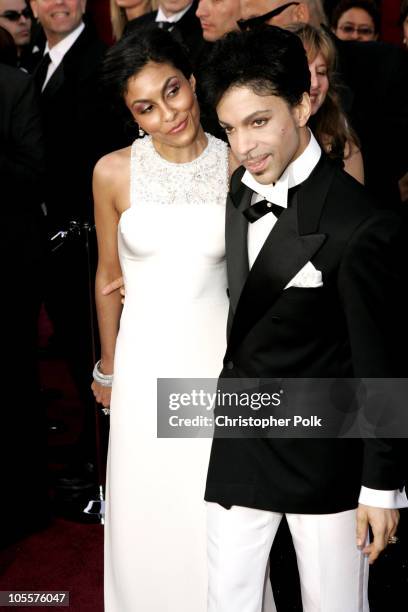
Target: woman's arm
353	162
108	307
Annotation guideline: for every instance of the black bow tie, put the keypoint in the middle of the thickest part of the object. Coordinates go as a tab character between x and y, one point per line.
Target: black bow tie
258	210
261	208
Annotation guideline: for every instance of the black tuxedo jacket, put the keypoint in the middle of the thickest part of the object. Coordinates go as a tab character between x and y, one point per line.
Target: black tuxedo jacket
76	129
342	329
187	30
21	145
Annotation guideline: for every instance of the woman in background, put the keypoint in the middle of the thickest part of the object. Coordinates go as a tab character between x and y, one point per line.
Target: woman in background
356	20
123	11
328	122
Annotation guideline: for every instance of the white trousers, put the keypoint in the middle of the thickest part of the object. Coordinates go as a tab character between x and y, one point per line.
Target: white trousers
333	572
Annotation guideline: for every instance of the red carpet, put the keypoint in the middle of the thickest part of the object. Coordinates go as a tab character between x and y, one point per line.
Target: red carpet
67	556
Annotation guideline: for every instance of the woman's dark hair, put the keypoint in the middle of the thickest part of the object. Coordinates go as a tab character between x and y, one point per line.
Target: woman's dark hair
369	6
8	49
269	60
132	52
329	124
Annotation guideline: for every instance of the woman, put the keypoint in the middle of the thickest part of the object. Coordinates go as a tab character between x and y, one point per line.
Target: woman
122	11
159	213
328	122
356	20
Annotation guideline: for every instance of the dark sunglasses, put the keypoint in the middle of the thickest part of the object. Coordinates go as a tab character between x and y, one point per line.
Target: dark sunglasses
15	15
254	22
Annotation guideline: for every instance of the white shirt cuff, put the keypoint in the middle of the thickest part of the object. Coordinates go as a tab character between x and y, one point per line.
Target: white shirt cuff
383	499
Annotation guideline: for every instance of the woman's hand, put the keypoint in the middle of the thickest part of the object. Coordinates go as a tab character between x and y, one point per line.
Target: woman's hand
118	283
102	394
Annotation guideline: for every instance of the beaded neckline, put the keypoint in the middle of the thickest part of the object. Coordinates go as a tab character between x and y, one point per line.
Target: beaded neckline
149	142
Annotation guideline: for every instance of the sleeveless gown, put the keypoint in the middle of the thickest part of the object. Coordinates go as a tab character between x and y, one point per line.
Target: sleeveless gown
173	324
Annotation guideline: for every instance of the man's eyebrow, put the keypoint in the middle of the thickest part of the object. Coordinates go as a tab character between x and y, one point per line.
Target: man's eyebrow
247	119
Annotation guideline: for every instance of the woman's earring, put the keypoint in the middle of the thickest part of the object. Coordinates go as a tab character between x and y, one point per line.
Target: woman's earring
141	133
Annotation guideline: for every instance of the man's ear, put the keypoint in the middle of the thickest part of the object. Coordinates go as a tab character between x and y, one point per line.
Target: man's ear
303	110
301	13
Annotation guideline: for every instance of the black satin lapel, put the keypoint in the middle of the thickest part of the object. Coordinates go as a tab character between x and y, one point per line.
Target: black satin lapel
55	81
236	231
284	253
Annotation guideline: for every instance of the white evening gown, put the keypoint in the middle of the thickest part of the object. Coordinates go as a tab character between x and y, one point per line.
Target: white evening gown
171	247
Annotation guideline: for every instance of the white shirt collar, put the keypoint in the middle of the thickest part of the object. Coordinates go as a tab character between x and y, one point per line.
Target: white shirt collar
60	49
173	18
297	172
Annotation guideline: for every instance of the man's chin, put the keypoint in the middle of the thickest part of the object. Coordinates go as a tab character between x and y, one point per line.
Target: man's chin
264	177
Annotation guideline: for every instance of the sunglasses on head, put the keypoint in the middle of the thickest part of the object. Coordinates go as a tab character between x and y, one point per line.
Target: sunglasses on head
254	22
15	15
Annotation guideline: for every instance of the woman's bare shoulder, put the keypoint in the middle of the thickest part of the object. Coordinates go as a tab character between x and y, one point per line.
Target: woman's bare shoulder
113	166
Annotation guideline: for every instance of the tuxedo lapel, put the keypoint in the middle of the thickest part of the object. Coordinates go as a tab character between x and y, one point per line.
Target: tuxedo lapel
55	82
236	231
293	242
72	61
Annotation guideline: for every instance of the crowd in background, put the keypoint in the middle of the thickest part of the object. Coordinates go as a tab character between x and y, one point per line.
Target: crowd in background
56	122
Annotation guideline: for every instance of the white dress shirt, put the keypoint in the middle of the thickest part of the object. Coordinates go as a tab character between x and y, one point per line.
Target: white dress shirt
297	172
59	50
171	18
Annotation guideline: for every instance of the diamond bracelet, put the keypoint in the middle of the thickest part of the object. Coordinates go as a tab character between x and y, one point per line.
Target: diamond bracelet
105	380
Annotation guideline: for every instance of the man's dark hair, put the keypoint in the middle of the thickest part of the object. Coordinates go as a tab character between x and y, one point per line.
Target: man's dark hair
269	60
130	55
369	6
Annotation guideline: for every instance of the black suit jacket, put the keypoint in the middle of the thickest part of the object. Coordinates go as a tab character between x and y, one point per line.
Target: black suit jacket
377	75
21	145
76	130
340	330
187	30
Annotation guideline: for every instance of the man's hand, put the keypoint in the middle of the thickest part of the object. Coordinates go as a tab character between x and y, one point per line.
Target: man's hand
383	522
114	286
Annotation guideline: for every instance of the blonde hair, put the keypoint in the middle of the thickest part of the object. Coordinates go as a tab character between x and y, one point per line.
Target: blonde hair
329	125
119	19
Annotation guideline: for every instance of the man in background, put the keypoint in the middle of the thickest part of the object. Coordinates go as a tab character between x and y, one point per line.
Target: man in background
179	18
24	505
218	17
16	18
76	134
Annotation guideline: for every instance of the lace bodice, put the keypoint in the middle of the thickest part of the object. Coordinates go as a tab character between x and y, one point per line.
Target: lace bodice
155	180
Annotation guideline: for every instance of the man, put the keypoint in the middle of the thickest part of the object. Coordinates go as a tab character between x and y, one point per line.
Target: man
23	441
311	289
218	17
76	132
376	74
179	17
280	13
16	18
